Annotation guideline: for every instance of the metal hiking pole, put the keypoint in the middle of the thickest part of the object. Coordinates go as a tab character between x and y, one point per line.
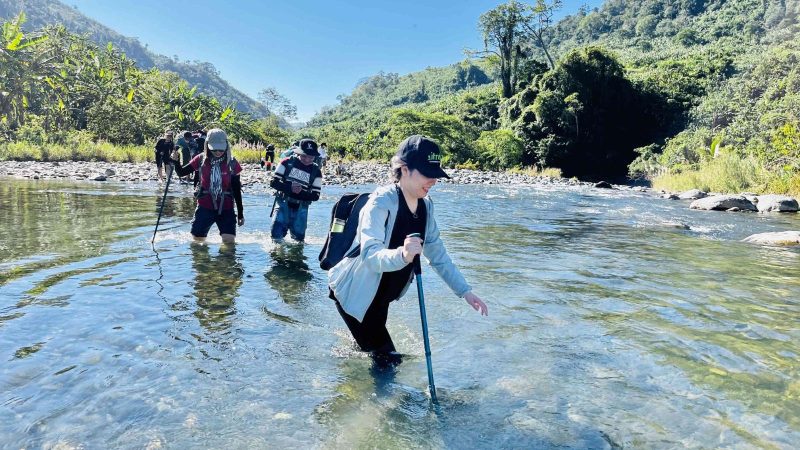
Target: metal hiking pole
170	169
273	204
418	275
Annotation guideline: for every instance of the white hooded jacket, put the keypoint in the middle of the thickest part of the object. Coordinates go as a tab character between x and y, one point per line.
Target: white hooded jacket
354	281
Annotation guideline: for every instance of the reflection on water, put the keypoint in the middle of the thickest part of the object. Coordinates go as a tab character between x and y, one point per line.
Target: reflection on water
610	328
216	284
288	271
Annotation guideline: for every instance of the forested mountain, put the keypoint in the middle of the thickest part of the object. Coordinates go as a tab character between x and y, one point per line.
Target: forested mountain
202	74
682	85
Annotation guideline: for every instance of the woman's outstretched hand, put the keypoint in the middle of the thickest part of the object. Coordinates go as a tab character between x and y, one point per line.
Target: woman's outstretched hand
476	303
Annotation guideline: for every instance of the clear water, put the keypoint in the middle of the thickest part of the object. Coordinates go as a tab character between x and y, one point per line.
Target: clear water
608	328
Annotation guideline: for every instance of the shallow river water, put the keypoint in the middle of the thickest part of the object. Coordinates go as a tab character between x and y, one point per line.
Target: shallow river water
609	327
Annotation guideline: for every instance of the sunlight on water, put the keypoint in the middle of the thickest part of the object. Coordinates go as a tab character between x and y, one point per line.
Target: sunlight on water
617	320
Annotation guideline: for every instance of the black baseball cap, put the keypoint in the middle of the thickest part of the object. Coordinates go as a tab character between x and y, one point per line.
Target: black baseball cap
422	154
307	147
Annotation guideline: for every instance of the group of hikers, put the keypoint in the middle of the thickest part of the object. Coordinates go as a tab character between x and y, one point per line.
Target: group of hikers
395	225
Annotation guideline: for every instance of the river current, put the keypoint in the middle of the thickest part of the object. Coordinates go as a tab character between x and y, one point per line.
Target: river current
609	326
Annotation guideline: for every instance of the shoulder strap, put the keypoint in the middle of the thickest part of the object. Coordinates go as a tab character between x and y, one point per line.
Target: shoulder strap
289	166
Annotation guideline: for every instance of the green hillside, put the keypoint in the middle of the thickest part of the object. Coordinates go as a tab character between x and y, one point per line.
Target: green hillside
40	13
667	90
358	124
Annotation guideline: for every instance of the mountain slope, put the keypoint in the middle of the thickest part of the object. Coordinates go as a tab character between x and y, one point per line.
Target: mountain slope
203	74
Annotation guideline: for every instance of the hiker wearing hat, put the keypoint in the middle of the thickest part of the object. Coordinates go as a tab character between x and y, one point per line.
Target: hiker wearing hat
163	148
297	181
219	187
363	286
269	156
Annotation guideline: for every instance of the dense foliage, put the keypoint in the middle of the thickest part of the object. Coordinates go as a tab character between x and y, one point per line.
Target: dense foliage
653	88
701	93
54	84
41	13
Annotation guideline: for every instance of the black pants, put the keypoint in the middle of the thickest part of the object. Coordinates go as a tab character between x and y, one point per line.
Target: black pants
371	333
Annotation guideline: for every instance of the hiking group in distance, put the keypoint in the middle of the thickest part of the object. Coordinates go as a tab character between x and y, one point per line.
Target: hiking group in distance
374	241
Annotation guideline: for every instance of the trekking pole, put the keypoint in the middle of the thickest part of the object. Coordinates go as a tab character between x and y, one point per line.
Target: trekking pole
273	204
170	169
418	275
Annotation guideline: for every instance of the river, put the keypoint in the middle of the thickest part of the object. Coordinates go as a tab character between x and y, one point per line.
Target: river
608	327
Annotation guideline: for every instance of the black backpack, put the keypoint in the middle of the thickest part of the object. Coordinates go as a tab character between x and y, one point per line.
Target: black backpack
344	226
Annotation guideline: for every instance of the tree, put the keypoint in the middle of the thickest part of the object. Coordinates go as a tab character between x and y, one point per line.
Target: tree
499	149
501	29
539	23
19	66
450	132
276	103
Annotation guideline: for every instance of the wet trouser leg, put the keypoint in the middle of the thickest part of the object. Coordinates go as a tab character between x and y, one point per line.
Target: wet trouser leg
299	222
281	223
371	333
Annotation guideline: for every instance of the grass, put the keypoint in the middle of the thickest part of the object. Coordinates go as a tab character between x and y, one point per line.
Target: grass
731	173
95	151
533	171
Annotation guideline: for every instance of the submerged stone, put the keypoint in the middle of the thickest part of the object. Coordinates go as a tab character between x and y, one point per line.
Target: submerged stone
786	238
603	185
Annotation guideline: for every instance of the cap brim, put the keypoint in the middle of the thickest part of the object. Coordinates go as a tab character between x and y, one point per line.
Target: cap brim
433	172
217	146
300	151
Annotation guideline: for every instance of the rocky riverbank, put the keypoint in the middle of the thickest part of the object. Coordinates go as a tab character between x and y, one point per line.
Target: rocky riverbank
356	173
350	173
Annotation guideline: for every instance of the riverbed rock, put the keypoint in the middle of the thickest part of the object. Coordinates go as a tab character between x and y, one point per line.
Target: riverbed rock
669	196
603	185
723	203
110	172
784	238
776	203
676	224
692	194
99	177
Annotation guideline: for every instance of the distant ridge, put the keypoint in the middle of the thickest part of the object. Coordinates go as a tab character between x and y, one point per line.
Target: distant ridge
203	74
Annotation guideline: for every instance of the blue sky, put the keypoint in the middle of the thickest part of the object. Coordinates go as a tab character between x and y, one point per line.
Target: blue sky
309	50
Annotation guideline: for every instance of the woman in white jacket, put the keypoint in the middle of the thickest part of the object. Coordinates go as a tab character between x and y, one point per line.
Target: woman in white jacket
363	285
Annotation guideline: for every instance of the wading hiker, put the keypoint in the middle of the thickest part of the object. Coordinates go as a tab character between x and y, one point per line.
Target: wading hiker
163	149
218	188
199	141
365	284
291	150
188	150
199	145
269	157
298	182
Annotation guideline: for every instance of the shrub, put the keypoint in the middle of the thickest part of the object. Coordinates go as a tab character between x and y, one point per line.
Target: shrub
499	149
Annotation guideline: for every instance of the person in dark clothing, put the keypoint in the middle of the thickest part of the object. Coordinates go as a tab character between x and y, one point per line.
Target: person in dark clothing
364	285
163	149
188	149
199	145
199	141
297	182
269	157
220	186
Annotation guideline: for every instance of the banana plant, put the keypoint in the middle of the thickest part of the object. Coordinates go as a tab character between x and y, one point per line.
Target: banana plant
20	70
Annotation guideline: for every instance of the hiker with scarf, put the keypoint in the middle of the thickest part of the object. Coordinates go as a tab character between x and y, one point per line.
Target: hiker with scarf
219	186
